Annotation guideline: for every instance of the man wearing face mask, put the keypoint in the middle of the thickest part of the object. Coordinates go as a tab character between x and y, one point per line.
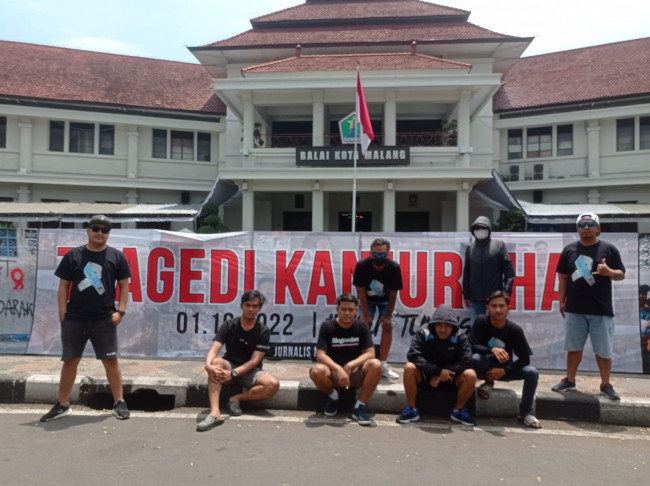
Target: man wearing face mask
378	279
487	268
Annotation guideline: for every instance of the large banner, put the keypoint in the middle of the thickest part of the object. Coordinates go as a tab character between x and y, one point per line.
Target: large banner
185	285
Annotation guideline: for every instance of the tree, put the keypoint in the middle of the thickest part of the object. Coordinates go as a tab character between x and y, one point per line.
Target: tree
512	220
209	220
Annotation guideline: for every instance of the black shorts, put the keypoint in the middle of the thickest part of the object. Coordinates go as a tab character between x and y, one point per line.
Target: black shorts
426	379
102	334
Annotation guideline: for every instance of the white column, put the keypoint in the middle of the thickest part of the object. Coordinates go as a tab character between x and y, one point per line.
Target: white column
249	125
593	196
390	118
247	207
132	135
593	149
132	197
317	208
318	120
389	208
462	207
26	150
463	136
24	194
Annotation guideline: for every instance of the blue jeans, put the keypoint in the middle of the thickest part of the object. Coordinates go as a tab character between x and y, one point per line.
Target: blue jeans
378	308
476	308
529	374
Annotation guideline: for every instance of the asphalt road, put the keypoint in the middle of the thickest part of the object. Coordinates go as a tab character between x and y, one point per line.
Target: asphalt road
296	448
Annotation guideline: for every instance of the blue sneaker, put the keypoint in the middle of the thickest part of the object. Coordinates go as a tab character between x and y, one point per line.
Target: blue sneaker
360	414
409	415
331	407
608	391
564	386
462	416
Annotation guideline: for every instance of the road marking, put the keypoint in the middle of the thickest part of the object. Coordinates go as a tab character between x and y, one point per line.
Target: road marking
380	422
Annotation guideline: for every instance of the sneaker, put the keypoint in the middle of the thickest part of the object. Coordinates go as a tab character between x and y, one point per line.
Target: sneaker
386	372
120	410
564	386
57	412
331	407
360	414
409	415
209	422
608	391
234	409
462	416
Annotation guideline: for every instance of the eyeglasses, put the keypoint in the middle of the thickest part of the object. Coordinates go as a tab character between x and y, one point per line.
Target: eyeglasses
379	255
96	229
590	224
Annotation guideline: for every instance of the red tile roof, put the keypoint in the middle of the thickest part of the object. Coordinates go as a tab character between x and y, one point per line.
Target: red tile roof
359	9
377	34
57	74
589	74
349	62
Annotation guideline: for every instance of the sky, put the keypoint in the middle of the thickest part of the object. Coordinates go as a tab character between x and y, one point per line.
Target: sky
163	29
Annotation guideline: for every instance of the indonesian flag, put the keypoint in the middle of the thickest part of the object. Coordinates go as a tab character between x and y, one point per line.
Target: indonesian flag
363	118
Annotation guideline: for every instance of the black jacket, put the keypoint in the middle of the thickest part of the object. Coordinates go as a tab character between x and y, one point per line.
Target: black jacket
487	266
431	354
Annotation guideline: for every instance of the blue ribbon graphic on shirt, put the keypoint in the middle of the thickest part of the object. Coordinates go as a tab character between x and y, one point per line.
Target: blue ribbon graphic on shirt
93	273
583	269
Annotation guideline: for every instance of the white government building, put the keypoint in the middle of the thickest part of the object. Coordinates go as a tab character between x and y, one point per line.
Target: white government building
462	124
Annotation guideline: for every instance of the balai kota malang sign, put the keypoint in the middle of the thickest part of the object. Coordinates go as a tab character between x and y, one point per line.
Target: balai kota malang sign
344	156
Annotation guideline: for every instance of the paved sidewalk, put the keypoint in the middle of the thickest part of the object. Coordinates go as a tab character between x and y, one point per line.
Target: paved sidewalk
182	382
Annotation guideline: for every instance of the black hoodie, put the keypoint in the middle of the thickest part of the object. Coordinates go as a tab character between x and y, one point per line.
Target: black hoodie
487	266
431	354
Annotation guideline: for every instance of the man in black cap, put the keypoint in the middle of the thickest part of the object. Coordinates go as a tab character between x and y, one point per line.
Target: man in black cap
440	357
88	275
487	267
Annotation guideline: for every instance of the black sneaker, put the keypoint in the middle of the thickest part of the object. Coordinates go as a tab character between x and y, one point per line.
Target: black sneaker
360	414
608	391
57	412
234	409
331	407
120	410
462	416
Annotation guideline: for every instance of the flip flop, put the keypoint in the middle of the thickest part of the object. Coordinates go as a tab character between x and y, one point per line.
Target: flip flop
530	421
484	390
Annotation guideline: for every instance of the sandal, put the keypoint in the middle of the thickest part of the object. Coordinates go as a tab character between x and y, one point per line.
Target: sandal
530	421
484	390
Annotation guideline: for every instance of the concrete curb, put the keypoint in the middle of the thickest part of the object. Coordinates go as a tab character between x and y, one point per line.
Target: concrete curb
300	395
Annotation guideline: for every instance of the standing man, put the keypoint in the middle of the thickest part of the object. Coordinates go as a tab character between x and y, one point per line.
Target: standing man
585	271
246	341
487	267
495	340
346	359
377	279
88	275
440	357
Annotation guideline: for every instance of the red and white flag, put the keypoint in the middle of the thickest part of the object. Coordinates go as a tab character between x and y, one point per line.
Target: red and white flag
363	118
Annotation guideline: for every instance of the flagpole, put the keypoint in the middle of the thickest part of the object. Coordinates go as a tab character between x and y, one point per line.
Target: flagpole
357	138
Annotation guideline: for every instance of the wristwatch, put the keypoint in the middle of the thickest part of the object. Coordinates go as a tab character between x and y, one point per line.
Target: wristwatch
233	373
121	313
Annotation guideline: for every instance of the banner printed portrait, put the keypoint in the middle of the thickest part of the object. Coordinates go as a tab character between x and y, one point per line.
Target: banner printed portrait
185	285
18	249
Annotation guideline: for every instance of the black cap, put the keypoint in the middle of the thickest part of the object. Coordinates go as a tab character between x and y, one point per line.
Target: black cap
100	219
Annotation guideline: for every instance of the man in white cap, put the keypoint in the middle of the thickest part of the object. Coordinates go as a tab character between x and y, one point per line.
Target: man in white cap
585	270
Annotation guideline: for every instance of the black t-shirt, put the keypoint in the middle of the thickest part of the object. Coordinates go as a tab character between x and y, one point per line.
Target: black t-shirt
484	336
94	275
587	293
341	344
241	344
378	283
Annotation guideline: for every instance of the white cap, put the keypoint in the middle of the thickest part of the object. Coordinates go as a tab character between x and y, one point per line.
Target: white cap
588	216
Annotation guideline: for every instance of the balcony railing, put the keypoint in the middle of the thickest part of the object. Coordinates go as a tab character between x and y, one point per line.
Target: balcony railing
408	139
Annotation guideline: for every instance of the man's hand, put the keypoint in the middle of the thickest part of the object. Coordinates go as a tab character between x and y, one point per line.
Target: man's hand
494	374
501	354
365	317
116	317
386	323
343	376
446	375
562	308
603	269
466	303
216	374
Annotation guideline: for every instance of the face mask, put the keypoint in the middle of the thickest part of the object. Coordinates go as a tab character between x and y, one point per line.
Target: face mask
481	234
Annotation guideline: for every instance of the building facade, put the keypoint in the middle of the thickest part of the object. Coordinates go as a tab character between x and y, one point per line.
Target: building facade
451	105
